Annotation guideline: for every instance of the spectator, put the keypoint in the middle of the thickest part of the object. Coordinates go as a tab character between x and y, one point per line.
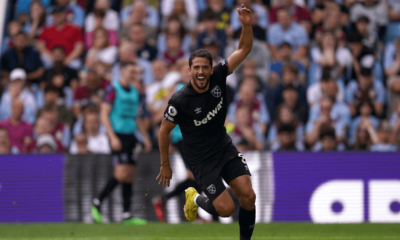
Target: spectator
362	139
93	91
4	141
299	14
370	40
61	34
70	74
174	50
80	145
137	35
174	27
22	56
327	86
128	15
219	8
211	45
382	140
56	92
210	22
46	144
101	50
89	108
286	140
329	54
286	117
328	140
22	7
289	78
258	10
36	21
284	56
291	98
392	58
13	28
258	113
327	112
365	110
185	9
21	131
246	135
112	35
61	132
393	9
93	141
287	31
366	87
376	13
126	53
395	116
74	13
17	90
110	20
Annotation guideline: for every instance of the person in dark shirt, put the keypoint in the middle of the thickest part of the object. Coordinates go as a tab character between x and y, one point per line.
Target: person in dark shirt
199	109
22	56
137	34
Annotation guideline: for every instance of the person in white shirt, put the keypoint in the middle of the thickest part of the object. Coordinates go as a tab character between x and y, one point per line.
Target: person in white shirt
96	142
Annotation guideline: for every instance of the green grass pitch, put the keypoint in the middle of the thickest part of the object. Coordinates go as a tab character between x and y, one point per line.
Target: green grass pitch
186	231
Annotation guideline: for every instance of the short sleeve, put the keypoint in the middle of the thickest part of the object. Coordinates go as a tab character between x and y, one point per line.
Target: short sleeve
221	70
109	96
172	112
302	37
271	36
78	36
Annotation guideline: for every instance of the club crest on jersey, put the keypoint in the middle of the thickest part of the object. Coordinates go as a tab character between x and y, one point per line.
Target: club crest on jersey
212	189
172	111
216	91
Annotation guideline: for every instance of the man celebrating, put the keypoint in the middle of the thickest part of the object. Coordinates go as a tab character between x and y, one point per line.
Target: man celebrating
199	109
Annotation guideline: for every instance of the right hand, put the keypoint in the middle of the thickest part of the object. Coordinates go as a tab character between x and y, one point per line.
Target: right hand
115	143
165	175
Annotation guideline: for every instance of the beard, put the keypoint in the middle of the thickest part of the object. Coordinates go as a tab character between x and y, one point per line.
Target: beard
201	88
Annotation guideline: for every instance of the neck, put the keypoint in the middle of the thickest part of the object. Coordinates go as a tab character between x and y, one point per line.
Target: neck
92	133
15	121
124	83
59	26
174	53
286	27
198	89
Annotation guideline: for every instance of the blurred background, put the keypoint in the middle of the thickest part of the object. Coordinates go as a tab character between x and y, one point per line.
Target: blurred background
316	102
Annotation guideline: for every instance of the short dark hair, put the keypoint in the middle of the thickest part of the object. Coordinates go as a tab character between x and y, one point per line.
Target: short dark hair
290	67
209	15
326	130
125	64
286	128
51	88
200	53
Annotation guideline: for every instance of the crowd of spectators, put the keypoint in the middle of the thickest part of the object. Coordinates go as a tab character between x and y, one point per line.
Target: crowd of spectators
323	75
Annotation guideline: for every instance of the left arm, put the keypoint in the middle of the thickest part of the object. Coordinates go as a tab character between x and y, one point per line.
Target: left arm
76	52
142	130
245	41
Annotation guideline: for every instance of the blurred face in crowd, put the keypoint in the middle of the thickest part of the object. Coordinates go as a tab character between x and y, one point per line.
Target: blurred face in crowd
284	19
288	77
137	34
91	125
210	24
362	27
212	48
179	7
20	42
36	9
92	80
15	87
243	116
174	44
46	148
290	97
51	116
174	26
362	136
139	12
58	55
332	20
326	106
126	52
59	18
42	126
330	89
247	93
287	3
287	139
200	72
51	96
160	69
100	38
285	115
365	82
129	73
328	40
63	3
17	109
102	4
14	27
365	109
384	136
328	143
58	80
81	142
285	52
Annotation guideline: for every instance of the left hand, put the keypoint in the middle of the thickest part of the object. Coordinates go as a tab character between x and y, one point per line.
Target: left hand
245	15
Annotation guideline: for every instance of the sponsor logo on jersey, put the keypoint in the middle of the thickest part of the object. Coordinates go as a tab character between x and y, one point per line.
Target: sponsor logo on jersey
216	92
212	189
197	110
172	111
210	114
